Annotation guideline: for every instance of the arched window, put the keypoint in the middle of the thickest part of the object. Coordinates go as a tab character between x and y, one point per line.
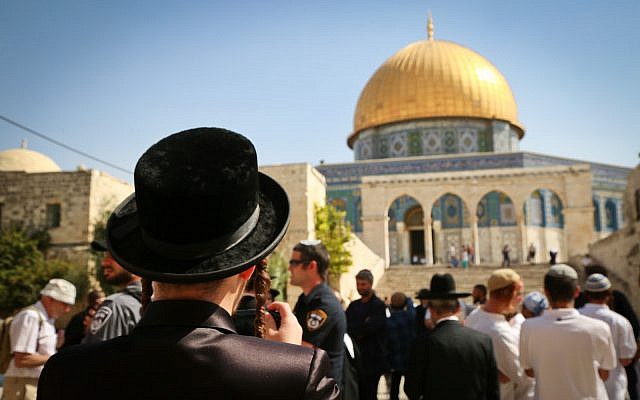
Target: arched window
451	211
557	219
534	209
611	215
398	209
496	209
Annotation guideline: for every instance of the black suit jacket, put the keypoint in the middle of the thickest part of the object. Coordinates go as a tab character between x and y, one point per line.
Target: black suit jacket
452	362
187	350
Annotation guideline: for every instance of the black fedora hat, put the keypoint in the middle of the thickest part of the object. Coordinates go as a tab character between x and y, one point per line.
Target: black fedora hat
99	245
201	211
443	286
422	293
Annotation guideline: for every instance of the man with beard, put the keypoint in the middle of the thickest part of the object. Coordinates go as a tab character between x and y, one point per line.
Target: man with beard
366	324
120	312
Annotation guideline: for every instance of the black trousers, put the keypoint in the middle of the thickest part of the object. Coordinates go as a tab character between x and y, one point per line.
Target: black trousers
394	391
369	385
632	381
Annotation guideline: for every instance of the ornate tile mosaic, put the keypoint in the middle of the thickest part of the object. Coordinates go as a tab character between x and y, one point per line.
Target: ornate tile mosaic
468	141
450	141
415	143
432	142
398	145
496	209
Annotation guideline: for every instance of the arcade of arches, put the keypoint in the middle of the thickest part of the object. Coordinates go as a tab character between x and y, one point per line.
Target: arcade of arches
417	219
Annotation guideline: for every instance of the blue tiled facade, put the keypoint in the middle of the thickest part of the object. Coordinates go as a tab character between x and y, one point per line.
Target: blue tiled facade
343	180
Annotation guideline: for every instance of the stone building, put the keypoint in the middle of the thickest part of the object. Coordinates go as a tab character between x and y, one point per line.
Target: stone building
36	194
438	166
620	251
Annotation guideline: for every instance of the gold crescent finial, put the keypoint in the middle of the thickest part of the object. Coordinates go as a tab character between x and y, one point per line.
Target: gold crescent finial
430	27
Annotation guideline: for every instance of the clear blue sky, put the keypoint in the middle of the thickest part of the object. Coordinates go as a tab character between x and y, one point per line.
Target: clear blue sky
112	77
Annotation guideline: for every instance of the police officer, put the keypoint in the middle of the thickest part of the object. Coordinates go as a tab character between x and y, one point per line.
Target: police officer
318	310
119	312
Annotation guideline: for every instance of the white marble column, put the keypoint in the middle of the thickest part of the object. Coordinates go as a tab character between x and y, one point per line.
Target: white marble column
522	231
476	238
428	240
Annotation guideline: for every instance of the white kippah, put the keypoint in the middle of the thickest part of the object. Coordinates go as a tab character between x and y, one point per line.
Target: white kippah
597	283
562	271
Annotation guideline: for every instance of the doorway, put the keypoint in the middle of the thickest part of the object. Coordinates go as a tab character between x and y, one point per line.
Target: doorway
416	240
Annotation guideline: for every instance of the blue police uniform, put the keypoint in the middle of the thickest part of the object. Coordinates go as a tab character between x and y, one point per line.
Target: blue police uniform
323	325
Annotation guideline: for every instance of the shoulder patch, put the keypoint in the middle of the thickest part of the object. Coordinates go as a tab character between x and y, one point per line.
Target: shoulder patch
315	319
102	315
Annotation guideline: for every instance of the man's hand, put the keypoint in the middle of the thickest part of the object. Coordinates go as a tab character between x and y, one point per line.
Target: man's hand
604	374
290	330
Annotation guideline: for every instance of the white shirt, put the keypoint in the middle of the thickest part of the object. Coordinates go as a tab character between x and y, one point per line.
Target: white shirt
565	350
29	335
623	341
505	338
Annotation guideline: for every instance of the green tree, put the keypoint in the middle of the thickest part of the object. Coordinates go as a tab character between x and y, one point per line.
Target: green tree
99	233
335	233
279	273
24	271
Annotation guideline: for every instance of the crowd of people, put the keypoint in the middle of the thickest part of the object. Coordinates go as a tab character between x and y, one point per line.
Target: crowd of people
463	258
194	316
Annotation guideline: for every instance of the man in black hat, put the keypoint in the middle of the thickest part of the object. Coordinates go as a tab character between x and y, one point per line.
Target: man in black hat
119	312
421	312
451	362
201	220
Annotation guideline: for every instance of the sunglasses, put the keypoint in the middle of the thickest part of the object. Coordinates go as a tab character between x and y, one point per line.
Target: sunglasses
293	263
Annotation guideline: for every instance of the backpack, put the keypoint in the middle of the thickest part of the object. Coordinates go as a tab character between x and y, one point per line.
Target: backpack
5	339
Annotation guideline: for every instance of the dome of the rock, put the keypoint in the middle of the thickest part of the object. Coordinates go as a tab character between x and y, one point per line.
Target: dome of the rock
434	79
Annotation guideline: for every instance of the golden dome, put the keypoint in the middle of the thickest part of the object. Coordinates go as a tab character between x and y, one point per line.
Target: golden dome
26	161
434	79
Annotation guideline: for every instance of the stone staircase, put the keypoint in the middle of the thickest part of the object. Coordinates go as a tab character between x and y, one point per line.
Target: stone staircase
411	278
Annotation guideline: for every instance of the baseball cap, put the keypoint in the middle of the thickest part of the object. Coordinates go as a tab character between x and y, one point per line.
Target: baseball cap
61	290
597	283
502	278
562	271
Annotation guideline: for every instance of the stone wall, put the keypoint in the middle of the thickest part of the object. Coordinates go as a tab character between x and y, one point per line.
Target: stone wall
25	197
620	251
106	193
80	195
363	258
305	187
